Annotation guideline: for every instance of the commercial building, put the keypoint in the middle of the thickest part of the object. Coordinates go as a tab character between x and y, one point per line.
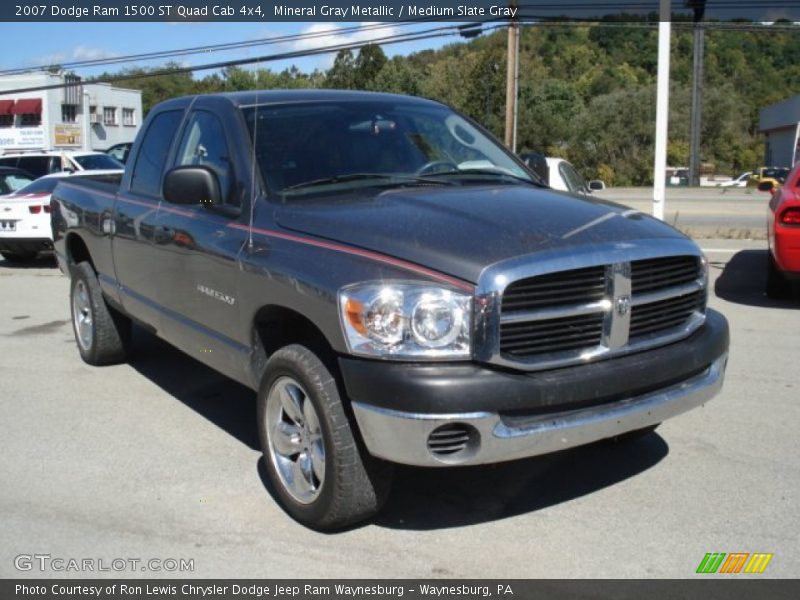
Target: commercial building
75	117
780	123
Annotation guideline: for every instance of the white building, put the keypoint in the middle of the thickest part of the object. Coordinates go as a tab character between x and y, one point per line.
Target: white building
781	125
57	118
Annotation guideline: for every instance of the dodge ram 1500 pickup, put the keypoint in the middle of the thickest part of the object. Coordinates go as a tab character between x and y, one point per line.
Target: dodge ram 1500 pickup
393	283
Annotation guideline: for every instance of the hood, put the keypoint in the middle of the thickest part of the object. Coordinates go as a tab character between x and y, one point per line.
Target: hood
461	230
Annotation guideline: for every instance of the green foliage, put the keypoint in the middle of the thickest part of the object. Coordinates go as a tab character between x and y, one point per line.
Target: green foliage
586	93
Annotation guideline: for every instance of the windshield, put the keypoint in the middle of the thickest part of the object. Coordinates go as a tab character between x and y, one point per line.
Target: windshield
779	173
91	162
45	185
12	182
574	181
303	148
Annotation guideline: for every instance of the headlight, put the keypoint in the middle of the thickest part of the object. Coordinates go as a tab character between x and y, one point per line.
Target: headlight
406	321
704	270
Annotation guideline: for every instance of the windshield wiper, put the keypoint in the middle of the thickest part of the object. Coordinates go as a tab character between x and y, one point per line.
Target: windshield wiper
490	172
382	178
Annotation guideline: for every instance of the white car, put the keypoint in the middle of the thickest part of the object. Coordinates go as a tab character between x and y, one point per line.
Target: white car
25	215
560	175
739	182
43	163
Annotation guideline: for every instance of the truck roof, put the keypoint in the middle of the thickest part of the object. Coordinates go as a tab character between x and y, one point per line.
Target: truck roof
252	97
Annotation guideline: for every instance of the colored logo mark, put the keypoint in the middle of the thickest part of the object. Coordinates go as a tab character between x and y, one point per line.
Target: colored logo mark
734	562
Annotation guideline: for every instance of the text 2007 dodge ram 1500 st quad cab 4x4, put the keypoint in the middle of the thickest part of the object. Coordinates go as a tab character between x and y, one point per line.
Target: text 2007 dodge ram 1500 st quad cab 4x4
396	286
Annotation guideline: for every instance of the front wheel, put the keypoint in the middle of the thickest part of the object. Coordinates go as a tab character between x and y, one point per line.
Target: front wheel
317	469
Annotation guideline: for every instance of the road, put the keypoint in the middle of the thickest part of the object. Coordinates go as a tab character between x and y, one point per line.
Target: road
158	459
703	212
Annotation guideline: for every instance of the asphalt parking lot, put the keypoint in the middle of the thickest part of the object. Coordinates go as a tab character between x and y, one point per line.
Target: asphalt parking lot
158	459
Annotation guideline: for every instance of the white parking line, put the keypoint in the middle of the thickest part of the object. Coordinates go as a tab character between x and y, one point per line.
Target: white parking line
723	250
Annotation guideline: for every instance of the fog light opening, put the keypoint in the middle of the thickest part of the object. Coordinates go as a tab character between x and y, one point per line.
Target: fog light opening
453	442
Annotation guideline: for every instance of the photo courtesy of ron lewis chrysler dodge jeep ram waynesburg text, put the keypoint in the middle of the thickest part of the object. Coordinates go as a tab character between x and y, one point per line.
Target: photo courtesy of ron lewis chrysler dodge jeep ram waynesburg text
393	283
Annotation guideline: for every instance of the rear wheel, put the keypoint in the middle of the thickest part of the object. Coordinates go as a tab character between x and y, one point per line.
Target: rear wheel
102	333
321	475
777	286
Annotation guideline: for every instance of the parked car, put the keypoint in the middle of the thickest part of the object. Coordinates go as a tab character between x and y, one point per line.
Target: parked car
44	163
12	179
392	282
120	151
739	182
559	174
25	214
775	175
783	233
678	176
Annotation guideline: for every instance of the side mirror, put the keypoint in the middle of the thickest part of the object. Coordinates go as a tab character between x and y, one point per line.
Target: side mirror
192	185
596	185
766	186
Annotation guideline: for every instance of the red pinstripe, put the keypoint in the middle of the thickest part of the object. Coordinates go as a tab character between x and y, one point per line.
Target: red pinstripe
389	260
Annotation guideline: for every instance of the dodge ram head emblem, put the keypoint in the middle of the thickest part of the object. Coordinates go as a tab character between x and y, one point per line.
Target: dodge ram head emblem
623	305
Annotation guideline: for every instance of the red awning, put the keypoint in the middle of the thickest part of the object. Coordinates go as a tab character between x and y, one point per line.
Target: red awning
28	106
6	107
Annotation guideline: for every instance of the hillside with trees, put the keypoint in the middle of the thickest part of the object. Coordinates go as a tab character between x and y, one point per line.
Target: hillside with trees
587	93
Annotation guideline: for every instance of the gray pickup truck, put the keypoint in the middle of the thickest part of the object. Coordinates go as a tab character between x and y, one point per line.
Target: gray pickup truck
393	283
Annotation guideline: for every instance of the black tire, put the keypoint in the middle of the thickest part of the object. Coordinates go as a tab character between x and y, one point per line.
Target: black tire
777	287
355	485
18	256
632	436
108	334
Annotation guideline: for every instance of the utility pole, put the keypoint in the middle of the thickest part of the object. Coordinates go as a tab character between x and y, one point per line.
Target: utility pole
512	82
662	110
699	7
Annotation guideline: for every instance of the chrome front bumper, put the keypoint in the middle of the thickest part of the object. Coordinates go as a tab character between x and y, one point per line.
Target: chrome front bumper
403	437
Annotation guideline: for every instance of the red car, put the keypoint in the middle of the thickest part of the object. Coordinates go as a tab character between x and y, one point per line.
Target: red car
783	230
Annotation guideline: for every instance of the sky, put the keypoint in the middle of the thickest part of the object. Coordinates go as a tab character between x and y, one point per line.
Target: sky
36	44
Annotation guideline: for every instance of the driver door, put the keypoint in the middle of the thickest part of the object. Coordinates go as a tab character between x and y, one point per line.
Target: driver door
197	251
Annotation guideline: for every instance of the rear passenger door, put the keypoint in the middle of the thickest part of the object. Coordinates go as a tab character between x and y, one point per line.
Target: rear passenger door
196	249
134	219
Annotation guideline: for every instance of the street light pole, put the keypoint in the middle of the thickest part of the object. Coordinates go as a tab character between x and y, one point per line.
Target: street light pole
662	110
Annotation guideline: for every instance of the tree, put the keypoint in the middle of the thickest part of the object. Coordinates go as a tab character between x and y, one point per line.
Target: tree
397	76
342	74
367	65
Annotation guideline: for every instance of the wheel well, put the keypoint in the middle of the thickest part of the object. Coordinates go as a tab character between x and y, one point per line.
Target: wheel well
277	326
77	251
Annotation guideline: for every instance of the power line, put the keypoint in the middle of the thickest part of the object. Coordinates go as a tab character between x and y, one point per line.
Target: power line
208	48
205	49
524	20
437	32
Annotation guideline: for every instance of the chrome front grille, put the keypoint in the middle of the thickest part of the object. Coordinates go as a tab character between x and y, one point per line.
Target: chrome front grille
575	286
664	315
548	318
663	272
551	335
